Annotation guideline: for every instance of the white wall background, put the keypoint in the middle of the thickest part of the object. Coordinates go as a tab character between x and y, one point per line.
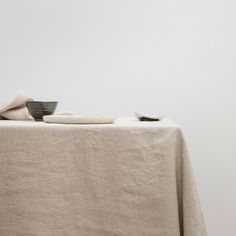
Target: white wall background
114	57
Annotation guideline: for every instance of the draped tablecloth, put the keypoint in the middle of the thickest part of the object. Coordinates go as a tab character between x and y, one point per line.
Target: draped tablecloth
129	178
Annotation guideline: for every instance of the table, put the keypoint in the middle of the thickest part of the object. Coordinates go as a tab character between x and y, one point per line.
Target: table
129	178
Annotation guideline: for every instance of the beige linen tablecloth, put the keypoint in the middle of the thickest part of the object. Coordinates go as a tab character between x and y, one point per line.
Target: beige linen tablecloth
125	179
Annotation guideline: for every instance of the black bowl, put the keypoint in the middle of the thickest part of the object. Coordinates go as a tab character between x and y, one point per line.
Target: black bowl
38	109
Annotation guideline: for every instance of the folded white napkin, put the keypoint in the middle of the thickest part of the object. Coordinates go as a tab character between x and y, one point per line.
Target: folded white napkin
16	109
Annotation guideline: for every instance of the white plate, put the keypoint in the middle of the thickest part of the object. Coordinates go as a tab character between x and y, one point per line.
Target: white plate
140	115
75	119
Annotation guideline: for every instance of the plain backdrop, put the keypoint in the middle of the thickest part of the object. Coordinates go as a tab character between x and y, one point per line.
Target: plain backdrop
172	57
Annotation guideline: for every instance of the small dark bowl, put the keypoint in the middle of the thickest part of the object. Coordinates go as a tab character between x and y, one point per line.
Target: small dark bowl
38	109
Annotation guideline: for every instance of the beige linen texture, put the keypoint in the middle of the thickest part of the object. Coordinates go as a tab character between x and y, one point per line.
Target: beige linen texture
123	179
16	109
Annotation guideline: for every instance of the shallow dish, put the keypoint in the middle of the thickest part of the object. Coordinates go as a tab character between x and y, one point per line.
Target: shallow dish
75	119
146	117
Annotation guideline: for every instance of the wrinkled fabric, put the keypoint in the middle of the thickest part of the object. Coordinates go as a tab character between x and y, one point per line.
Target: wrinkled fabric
16	109
129	178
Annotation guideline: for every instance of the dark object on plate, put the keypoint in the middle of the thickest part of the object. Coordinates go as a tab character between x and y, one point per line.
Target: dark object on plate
38	109
143	118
